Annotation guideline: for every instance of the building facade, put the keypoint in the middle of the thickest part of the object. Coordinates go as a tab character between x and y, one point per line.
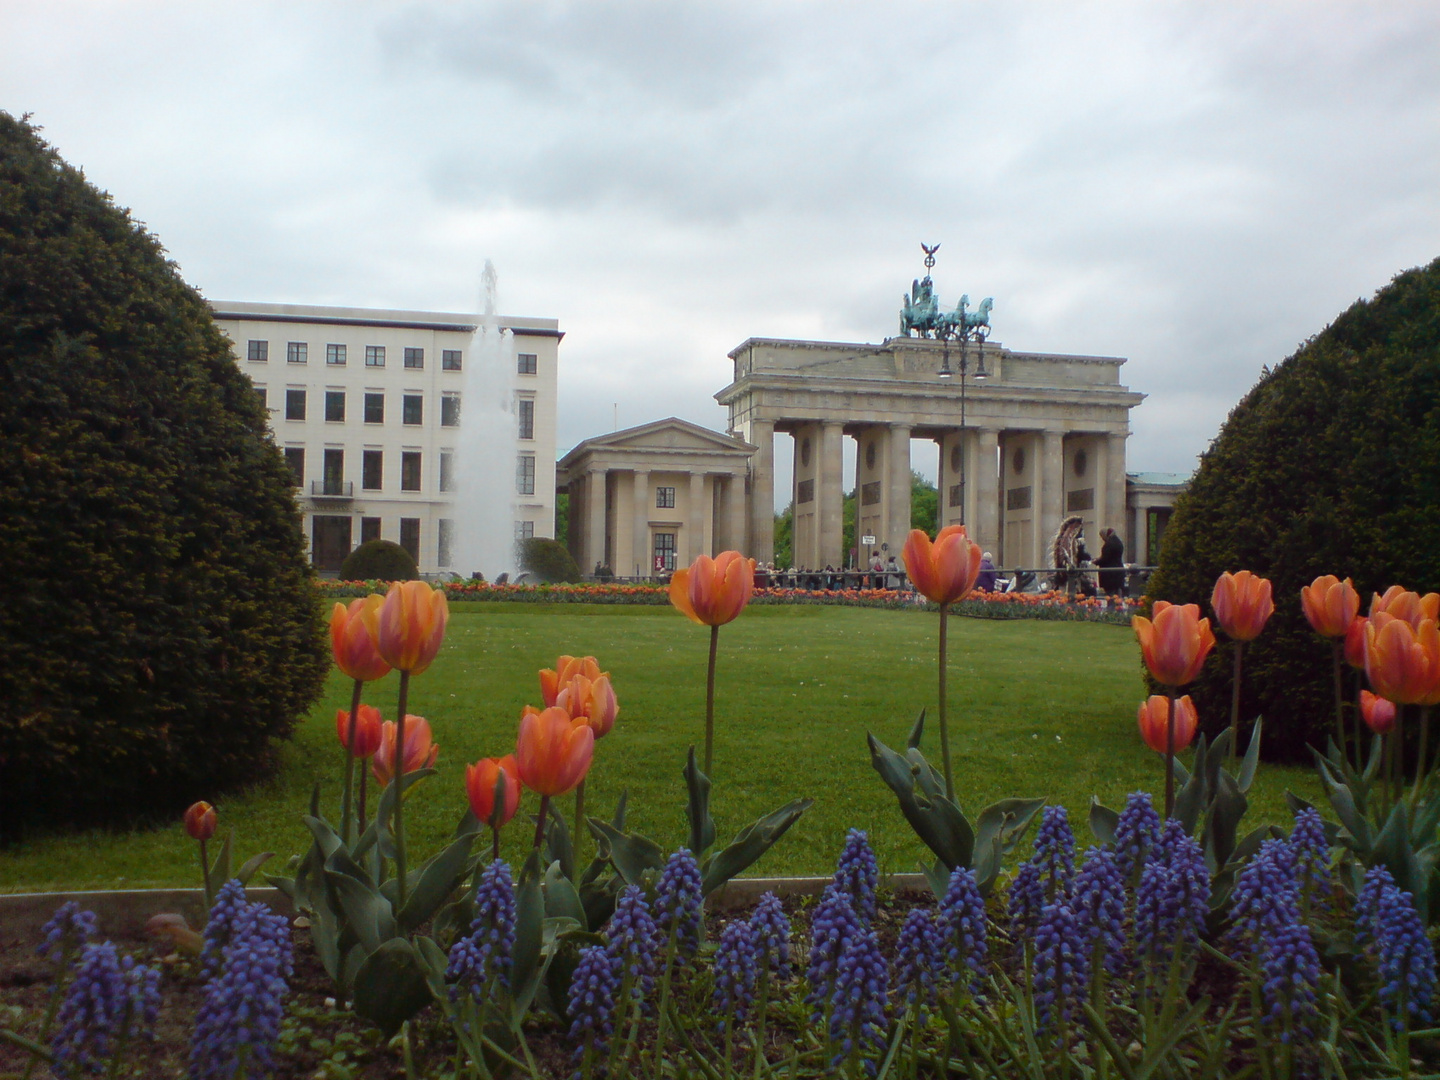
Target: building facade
366	405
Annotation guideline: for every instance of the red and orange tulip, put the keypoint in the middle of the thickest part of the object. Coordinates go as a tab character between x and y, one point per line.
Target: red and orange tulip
1402	662
945	570
411	626
1404	604
1175	642
566	668
420	751
1355	642
200	821
367	730
553	752
1242	604
1379	713
482	778
713	592
592	701
1330	605
352	638
1154	718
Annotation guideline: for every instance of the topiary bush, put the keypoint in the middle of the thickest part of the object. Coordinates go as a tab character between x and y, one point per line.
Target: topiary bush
1331	464
160	631
548	560
379	560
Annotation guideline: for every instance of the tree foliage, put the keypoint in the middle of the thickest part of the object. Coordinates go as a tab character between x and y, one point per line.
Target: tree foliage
1331	464
160	631
379	560
549	560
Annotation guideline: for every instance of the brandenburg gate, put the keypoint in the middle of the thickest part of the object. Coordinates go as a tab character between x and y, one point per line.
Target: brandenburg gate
1024	439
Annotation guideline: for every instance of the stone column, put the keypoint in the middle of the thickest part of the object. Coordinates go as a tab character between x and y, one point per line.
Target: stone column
1050	508
696	545
761	545
1141	539
640	529
897	501
594	520
1113	512
830	491
986	485
734	539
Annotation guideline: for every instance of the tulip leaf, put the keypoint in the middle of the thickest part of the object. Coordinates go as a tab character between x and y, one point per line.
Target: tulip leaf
558	846
378	830
750	843
1427	820
1008	819
916	733
246	872
220	869
1251	760
1392	847
390	986
932	784
630	853
1103	821
561	898
937	877
618	821
1215	757
525	972
367	912
469	824
697	808
340	862
936	820
325	936
988	857
1190	802
1222	820
1343	803
437	880
325	838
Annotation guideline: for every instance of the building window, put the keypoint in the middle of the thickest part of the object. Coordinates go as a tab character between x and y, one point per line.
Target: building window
450	359
258	351
525	475
447	471
527	418
410	537
446	538
264	400
334	406
374	355
372	469
412	409
297	352
295	458
415	358
335	355
449	410
374	408
665	498
664	552
527	363
334	472
369	529
410	470
524	530
294	404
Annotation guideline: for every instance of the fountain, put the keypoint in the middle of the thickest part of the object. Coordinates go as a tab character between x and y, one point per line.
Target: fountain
484	506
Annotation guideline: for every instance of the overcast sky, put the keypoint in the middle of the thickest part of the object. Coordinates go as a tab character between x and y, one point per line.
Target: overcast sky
1196	187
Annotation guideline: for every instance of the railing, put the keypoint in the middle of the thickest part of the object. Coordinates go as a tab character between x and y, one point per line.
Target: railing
332	489
1082	580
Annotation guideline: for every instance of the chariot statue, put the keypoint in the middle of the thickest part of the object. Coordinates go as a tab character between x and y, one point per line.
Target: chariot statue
920	313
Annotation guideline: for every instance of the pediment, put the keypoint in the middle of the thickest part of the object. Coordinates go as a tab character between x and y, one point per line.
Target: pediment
669	434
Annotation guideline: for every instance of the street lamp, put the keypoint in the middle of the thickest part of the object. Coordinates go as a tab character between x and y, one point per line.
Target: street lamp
964	333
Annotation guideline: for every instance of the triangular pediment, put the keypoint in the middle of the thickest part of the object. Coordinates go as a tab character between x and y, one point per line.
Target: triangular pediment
669	434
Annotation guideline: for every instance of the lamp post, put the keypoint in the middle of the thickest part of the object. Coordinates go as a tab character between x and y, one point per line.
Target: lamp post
964	334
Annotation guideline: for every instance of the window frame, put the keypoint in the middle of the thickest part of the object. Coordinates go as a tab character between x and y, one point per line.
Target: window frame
527	363
292	396
413	358
418	403
371	398
336	355
452	359
257	350
525	417
332	397
525	474
450	408
412	469
375	356
295	459
664	497
367	457
297	352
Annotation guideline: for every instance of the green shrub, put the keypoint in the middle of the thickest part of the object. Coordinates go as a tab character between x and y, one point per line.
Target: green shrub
547	560
378	560
159	631
1331	464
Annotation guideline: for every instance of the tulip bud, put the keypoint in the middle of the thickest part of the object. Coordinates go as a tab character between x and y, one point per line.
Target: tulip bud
1330	605
367	730
481	781
713	592
1379	713
1242	604
946	570
1355	642
1176	643
1154	718
200	821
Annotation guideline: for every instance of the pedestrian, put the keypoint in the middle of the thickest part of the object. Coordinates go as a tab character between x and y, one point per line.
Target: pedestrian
985	580
1112	563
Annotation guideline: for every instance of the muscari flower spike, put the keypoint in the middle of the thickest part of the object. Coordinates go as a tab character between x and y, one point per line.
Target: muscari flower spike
594	987
678	900
831	928
1289	972
1174	895
962	916
1136	832
1312	856
484	955
1061	966
1407	959
1025	902
1266	894
630	941
110	998
770	930
1055	852
1098	901
238	1024
858	1001
66	932
1367	904
920	961
230	901
858	874
735	971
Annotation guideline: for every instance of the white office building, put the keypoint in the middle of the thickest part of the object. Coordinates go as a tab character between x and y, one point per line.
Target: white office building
366	406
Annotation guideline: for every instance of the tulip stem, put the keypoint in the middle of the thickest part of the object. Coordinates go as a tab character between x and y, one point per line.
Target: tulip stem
1170	755
579	821
710	700
1424	748
354	721
205	879
1235	706
494	842
360	815
540	821
1337	651
944	725
398	771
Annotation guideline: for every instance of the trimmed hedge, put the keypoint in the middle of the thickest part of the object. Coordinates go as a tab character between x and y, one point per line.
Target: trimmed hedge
159	632
549	560
383	560
1331	464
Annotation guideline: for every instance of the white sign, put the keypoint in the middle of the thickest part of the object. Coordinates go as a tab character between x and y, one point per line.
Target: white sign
868	541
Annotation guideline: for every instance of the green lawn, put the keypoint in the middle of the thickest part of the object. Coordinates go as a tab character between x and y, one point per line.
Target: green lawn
1038	709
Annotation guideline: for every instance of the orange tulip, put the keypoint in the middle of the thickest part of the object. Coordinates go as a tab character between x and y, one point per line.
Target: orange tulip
1402	662
367	730
553	752
713	591
1154	716
592	701
352	638
566	668
1355	642
1176	643
1403	604
1379	713
1242	604
411	625
944	571
483	777
1330	605
200	821
419	751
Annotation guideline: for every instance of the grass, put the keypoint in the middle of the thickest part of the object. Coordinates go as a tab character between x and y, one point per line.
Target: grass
1037	709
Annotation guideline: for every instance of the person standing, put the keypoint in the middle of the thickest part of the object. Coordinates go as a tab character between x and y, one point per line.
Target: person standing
1111	563
985	580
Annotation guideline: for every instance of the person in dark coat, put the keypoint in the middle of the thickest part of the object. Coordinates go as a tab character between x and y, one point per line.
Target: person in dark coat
985	580
1112	563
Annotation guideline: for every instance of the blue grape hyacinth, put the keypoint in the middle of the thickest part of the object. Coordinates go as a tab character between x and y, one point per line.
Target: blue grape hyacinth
920	967
832	927
1055	852
1174	896
66	932
770	930
1266	894
110	999
1312	857
1098	901
1290	974
238	1024
484	955
1367	904
1407	959
594	987
1061	966
857	874
735	973
965	929
678	901
1025	902
630	940
230	901
1136	833
858	1001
